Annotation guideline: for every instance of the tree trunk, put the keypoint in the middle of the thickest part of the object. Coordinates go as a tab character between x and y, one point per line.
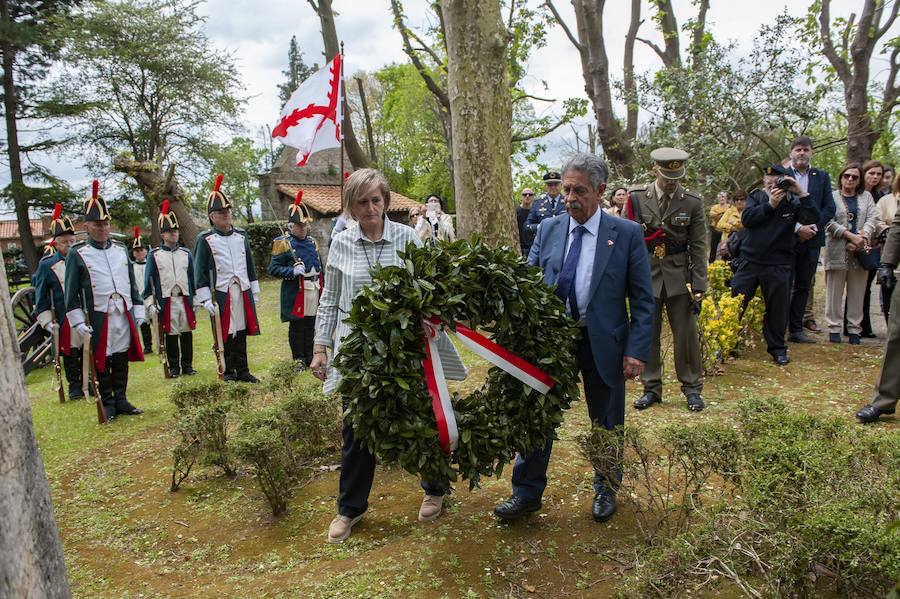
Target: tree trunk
17	180
31	557
629	86
595	68
156	185
370	137
355	152
481	119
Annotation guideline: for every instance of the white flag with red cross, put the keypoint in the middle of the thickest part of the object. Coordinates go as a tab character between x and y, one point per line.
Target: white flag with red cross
311	119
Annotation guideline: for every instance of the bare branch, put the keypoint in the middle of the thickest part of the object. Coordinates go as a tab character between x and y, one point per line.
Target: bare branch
630	88
430	83
890	20
840	64
659	51
565	28
523	136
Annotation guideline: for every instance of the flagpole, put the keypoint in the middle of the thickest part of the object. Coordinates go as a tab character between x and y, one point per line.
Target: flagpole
341	100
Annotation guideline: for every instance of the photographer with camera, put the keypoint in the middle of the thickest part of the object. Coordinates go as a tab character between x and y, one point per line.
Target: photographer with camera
435	225
767	251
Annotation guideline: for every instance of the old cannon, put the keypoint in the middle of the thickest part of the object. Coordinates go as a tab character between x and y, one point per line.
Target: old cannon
35	344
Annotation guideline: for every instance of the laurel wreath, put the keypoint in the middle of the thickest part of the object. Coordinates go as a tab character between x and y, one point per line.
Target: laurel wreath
381	360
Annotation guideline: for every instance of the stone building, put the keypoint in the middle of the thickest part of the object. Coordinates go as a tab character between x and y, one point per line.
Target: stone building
320	181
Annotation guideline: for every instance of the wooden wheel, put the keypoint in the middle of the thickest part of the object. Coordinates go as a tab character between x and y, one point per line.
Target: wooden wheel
35	344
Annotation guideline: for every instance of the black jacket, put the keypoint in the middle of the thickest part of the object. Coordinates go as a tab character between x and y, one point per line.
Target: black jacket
770	237
820	193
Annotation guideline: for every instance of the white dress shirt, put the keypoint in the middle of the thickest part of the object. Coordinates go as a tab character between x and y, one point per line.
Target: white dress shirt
585	267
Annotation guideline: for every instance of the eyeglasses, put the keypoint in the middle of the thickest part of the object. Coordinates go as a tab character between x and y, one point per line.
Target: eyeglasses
849	176
527	194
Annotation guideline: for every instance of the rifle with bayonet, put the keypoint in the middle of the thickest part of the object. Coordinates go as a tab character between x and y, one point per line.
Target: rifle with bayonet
157	326
215	321
89	356
56	367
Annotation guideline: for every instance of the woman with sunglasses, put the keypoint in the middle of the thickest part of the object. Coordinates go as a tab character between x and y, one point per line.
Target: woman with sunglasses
851	229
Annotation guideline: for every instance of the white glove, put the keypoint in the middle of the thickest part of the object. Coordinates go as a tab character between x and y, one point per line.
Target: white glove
50	326
139	322
256	299
151	311
299	270
209	307
84	330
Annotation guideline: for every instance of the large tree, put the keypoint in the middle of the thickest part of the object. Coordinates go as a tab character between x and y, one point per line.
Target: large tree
481	109
849	45
29	44
159	90
31	557
242	161
295	74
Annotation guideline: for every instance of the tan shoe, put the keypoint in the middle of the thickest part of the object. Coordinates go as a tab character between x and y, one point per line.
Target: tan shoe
340	528
431	508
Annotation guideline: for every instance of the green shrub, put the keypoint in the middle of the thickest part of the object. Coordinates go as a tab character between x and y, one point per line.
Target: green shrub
259	443
809	509
260	236
201	422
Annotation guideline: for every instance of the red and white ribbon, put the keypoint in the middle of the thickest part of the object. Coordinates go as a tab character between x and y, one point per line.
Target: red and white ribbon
527	373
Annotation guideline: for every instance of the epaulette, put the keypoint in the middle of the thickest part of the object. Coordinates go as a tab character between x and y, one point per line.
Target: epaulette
153	251
689	193
280	246
643	189
239	230
315	243
79	244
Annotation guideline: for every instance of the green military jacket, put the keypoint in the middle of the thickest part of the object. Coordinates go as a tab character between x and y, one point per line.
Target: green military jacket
890	254
684	223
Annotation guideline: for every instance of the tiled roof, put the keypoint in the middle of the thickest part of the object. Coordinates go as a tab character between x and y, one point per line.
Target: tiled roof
326	199
9	229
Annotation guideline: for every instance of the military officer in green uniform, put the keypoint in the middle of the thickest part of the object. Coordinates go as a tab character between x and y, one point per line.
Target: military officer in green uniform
887	388
674	226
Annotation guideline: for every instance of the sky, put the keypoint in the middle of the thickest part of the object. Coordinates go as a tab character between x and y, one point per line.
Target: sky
257	34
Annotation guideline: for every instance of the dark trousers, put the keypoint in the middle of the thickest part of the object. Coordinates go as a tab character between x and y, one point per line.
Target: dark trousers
72	366
806	260
180	352
236	354
300	337
775	281
715	238
147	337
867	305
357	473
113	383
606	407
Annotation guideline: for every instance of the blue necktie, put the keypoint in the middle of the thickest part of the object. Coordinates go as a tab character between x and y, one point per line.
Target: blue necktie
565	285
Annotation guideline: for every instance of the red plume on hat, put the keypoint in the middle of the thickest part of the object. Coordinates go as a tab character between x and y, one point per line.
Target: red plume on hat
297	212
218	182
165	207
299	198
95	189
137	232
57	211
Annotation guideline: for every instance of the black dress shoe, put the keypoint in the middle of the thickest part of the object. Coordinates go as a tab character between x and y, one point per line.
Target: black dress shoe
781	359
869	335
516	507
188	371
834	337
76	396
230	377
695	402
854	339
646	400
128	409
800	338
246	377
174	374
604	507
870	414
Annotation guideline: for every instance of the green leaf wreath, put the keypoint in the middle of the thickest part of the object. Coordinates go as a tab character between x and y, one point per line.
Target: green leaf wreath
381	360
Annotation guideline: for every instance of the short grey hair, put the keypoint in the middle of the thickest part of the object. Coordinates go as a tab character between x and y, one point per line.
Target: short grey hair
593	166
358	183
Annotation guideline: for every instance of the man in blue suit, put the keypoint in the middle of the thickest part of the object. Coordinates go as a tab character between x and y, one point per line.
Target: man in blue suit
811	237
597	262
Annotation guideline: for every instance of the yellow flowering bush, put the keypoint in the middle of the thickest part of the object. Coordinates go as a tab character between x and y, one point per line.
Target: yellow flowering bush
722	326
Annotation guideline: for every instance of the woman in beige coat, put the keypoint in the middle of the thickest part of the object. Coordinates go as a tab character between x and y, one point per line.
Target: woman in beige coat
851	229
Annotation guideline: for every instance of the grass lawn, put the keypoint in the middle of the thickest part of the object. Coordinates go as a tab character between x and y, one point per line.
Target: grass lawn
125	535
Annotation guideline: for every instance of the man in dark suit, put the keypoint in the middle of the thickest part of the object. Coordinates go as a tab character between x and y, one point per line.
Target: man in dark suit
810	238
597	262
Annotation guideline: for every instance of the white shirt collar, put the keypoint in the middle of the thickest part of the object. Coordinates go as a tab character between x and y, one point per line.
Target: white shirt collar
592	224
385	234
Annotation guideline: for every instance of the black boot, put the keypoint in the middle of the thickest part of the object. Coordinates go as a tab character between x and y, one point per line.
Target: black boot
120	384
147	337
72	366
172	356
186	342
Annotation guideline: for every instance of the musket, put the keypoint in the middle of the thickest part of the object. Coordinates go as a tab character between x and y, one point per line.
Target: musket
89	356
59	384
215	321
156	325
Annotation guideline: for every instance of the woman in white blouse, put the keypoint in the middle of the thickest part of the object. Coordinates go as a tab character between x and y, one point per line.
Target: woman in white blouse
353	255
434	224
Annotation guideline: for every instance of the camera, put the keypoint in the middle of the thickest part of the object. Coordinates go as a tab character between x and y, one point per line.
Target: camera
783	183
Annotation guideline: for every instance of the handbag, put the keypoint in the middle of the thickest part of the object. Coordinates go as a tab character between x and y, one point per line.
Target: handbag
868	258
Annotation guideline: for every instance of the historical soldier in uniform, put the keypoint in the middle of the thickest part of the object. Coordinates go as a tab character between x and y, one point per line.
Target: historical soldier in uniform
223	265
295	260
768	251
674	226
139	249
104	307
550	204
50	301
169	293
887	388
